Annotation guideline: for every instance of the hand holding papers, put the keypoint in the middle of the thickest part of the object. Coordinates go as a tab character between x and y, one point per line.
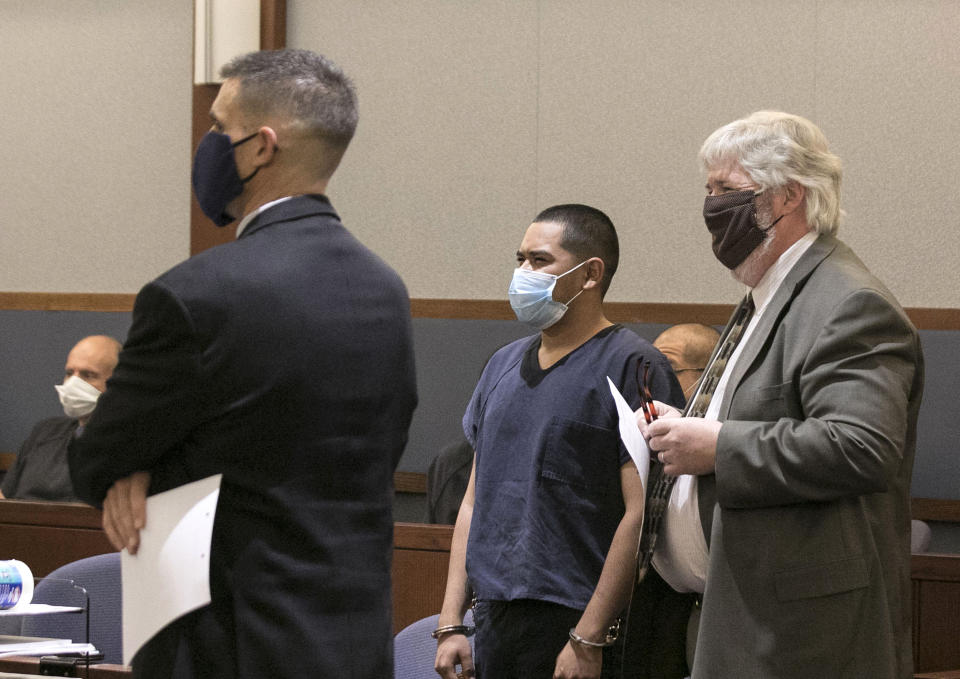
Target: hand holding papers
170	574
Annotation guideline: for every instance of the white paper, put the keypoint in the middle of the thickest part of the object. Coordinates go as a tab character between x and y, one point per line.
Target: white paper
14	645
170	574
630	434
39	609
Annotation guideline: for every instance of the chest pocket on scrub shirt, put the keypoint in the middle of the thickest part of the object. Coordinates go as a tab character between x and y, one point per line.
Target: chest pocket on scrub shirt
581	455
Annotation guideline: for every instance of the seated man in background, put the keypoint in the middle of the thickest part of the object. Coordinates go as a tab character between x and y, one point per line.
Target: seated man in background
546	537
447	480
40	471
688	347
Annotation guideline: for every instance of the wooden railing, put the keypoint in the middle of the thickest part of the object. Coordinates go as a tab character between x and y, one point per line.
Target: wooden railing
48	535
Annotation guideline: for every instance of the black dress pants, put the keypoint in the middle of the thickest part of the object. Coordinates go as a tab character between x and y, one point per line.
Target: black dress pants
521	639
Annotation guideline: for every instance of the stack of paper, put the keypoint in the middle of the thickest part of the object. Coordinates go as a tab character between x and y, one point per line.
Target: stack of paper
39	609
11	645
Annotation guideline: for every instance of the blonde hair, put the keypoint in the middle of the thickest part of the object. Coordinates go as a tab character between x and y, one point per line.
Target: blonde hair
777	148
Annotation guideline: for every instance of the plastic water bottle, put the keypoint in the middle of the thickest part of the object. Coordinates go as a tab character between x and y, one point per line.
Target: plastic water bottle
16	584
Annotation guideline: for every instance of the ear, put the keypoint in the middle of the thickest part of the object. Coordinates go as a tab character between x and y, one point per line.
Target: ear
793	196
267	137
594	268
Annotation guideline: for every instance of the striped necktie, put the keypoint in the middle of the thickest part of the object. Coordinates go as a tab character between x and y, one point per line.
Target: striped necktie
661	484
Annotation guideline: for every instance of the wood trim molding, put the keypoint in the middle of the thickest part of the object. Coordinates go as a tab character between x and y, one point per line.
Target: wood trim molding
618	312
943	567
410	482
924	509
273	24
63	514
925	318
65	301
423	536
931	318
273	35
466	309
203	233
930	509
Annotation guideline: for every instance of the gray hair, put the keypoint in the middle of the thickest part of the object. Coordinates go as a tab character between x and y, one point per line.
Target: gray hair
777	148
302	86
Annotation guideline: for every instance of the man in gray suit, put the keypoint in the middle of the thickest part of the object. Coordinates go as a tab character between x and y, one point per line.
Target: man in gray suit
799	468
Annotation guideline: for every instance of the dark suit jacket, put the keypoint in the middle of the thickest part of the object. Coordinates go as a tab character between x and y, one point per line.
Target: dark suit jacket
40	471
284	361
447	479
809	570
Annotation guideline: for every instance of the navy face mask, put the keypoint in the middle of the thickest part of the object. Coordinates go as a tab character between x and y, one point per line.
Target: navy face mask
215	178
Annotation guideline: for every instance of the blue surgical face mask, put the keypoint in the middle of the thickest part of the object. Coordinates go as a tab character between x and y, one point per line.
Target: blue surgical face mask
215	178
531	296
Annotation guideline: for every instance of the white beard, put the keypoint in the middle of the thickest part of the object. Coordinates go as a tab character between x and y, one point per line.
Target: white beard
751	270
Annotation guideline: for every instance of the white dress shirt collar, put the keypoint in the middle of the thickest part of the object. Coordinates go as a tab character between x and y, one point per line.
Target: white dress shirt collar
250	217
770	282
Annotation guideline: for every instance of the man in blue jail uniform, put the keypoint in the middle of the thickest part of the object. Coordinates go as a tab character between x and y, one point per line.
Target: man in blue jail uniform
546	536
282	360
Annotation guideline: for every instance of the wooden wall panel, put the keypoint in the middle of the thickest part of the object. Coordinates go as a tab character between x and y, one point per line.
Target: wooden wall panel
204	234
930	509
936	612
273	35
47	535
273	24
421	554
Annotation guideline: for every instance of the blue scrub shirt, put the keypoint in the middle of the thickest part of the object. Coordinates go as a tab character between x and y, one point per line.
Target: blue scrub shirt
548	496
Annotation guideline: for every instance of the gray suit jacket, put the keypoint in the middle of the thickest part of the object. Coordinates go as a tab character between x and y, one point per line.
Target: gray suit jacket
809	570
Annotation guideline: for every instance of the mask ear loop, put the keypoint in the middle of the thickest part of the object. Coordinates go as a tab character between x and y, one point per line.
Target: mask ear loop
568	302
574	268
244	180
773	223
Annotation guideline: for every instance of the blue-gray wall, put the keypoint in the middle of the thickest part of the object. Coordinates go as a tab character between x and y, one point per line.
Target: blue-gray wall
450	356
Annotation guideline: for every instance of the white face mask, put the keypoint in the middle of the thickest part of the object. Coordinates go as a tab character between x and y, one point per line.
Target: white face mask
78	398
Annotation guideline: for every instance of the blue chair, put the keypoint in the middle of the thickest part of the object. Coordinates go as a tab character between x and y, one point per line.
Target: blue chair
100	577
414	650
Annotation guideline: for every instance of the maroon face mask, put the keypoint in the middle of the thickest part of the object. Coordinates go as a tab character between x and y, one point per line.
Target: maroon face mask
731	219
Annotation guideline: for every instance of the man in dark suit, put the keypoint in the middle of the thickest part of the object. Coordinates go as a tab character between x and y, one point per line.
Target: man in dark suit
282	360
800	464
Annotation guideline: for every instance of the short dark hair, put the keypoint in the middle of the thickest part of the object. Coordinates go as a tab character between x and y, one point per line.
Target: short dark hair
306	87
587	232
